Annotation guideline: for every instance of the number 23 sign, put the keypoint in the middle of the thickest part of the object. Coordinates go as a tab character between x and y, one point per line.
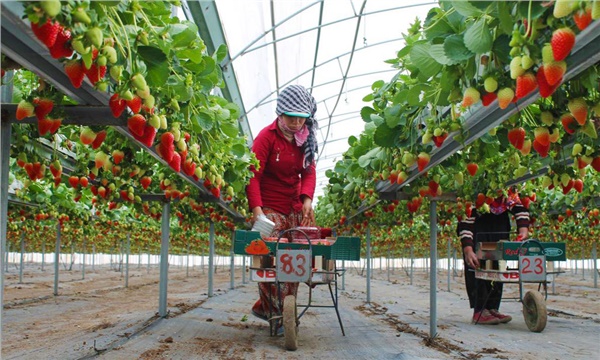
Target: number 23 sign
532	268
293	265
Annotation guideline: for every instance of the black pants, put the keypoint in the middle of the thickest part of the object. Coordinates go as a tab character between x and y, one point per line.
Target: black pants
483	294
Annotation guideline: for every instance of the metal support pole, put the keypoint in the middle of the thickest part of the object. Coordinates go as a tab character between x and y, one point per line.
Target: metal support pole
344	275
83	259
232	269
243	269
56	258
121	250
164	259
368	265
433	272
449	264
412	262
127	260
5	134
211	258
387	263
595	265
7	252
582	265
22	257
187	262
93	257
148	265
43	254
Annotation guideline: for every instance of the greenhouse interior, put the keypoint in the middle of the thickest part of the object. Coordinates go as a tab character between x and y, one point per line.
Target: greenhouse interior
386	171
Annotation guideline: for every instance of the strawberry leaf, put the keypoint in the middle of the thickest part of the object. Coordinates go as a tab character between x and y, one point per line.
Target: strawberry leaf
478	37
455	49
157	64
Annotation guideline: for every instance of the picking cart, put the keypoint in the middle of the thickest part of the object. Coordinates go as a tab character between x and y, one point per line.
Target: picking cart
300	259
532	256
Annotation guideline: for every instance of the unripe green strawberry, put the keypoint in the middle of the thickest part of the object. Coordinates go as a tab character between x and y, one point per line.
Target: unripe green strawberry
115	72
490	84
198	172
154	121
459	178
163	122
576	149
546	181
139	81
516	69
564	179
149	102
101	85
51	7
80	14
563	8
127	95
526	62
596	9
520	171
78	46
95	37
427	137
438	132
110	53
547	54
101	60
547	118
516	51
174	104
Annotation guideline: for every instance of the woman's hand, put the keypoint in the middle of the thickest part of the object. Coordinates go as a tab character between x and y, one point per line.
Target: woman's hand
471	257
256	212
308	215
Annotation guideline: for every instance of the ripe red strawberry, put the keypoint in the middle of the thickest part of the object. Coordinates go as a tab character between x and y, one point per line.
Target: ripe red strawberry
488	98
526	83
568	187
472	168
542	135
46	32
44	126
422	160
145	182
100	136
96	73
135	104
83	181
117	105
102	192
545	88
54	125
167	138
74	181
118	156
62	46
24	110
540	148
439	140
505	97
578	108
578	183
516	137
175	162
75	71
470	97
569	123
148	137
596	163
87	135
562	43
136	124
216	192
189	167
554	72
43	107
433	187
100	159
583	17
56	168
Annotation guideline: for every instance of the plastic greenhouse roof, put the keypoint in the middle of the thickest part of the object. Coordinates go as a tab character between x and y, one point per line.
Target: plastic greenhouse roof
334	48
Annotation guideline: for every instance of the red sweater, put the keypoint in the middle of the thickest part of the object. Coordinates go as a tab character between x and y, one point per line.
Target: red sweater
281	179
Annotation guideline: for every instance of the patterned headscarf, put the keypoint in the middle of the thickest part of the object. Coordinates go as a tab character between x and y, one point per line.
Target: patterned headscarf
297	99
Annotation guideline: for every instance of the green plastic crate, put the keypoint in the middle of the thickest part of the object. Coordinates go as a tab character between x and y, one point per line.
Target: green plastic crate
345	248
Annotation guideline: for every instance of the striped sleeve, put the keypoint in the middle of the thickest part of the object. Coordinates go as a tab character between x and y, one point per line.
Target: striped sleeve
521	216
465	231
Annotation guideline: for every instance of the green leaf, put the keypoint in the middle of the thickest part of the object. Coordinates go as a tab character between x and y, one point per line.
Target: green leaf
366	112
537	9
436	26
465	8
157	65
419	56
195	55
230	130
376	119
439	54
404	51
415	95
385	136
183	34
478	37
501	49
221	53
394	116
238	150
209	66
203	121
506	21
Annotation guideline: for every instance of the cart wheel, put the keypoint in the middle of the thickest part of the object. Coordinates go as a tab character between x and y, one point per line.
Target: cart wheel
534	311
290	325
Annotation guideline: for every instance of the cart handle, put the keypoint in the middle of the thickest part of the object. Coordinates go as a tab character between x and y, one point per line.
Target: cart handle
290	231
533	241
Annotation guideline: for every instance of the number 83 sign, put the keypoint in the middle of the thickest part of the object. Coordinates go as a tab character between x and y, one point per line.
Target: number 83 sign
532	268
293	265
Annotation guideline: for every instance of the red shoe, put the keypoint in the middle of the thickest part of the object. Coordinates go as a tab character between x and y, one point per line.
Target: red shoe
503	318
484	317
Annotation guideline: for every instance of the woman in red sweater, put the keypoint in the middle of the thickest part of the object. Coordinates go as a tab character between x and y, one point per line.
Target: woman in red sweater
283	186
